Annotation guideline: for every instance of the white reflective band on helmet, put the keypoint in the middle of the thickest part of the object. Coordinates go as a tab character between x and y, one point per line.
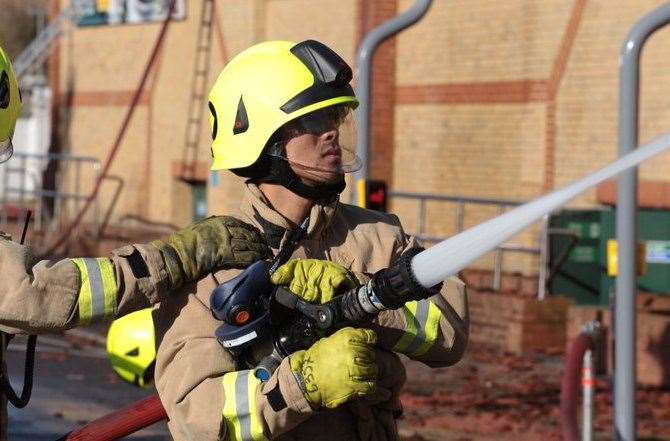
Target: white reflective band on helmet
98	290
239	409
423	319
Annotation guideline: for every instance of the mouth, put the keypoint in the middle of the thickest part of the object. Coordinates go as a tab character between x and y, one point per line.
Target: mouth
333	152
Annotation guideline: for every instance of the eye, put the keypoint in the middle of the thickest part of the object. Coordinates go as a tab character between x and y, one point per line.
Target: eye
4	90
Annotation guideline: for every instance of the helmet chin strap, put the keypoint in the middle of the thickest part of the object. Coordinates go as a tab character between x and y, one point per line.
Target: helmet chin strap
282	174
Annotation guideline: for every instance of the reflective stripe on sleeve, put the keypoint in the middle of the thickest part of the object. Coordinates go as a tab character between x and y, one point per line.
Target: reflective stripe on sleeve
423	321
98	290
239	407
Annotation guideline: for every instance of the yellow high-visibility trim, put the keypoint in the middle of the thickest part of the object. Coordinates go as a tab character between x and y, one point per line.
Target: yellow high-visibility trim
109	286
98	290
85	298
409	309
256	426
230	407
239	408
431	329
423	322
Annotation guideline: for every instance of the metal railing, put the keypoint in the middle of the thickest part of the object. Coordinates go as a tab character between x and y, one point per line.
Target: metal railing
22	188
36	52
501	206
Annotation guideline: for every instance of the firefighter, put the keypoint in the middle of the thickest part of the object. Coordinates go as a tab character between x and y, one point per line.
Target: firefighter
282	117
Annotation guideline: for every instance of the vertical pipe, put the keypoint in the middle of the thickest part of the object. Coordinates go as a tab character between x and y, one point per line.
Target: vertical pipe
626	223
497	270
5	199
24	171
77	183
587	401
544	258
497	264
460	213
422	216
365	54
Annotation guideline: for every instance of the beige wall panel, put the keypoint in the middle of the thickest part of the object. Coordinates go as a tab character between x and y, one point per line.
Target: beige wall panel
333	22
472	150
481	40
587	110
240	23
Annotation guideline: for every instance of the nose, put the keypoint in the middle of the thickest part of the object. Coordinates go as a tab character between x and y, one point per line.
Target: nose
330	136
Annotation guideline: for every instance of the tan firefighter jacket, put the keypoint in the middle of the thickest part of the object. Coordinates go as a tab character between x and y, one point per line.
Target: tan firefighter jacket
53	295
209	396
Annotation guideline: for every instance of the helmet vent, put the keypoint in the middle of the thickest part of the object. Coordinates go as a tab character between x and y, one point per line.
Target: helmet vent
215	126
133	352
4	90
331	75
241	121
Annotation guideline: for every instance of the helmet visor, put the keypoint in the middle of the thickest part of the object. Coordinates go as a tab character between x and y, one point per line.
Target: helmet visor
6	150
319	145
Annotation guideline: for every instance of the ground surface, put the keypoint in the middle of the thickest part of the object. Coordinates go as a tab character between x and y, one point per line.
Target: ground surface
488	396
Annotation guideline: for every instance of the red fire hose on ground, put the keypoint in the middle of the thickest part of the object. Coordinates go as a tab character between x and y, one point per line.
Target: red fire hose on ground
121	423
572	380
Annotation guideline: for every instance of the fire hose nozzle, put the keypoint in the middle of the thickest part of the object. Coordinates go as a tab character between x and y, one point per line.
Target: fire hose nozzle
389	288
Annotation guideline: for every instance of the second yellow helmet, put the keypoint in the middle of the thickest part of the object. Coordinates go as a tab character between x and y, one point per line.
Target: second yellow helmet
131	347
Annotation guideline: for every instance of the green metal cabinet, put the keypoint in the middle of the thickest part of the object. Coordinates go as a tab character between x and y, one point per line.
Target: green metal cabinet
583	275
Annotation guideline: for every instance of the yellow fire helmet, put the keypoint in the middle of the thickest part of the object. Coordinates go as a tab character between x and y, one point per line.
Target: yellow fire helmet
131	347
10	105
268	86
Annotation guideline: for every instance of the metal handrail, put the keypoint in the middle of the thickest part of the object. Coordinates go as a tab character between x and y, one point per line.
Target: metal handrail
462	201
57	157
455	198
29	195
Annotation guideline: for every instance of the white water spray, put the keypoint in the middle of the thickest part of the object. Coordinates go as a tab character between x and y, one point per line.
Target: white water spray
452	255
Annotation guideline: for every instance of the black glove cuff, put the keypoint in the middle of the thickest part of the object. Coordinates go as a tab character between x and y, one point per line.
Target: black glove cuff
396	285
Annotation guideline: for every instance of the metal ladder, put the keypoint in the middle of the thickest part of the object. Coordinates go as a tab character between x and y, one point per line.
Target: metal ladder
38	49
196	106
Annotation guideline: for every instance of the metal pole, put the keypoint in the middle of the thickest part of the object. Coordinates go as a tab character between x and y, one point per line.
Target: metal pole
367	50
626	224
544	258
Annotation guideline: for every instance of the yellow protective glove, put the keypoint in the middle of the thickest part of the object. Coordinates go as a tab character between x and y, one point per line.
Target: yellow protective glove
314	281
338	368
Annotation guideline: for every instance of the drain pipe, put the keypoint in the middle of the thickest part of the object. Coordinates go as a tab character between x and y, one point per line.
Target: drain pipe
365	54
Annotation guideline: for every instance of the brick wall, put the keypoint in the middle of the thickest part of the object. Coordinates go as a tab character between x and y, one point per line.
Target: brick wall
480	98
517	324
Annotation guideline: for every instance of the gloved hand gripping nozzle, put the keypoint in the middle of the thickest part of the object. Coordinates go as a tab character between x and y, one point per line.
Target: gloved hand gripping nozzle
389	288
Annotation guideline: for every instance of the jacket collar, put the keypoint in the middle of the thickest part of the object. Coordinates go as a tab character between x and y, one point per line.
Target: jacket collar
275	226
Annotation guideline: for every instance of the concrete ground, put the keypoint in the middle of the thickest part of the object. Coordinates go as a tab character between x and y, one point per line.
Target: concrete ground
487	396
73	384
